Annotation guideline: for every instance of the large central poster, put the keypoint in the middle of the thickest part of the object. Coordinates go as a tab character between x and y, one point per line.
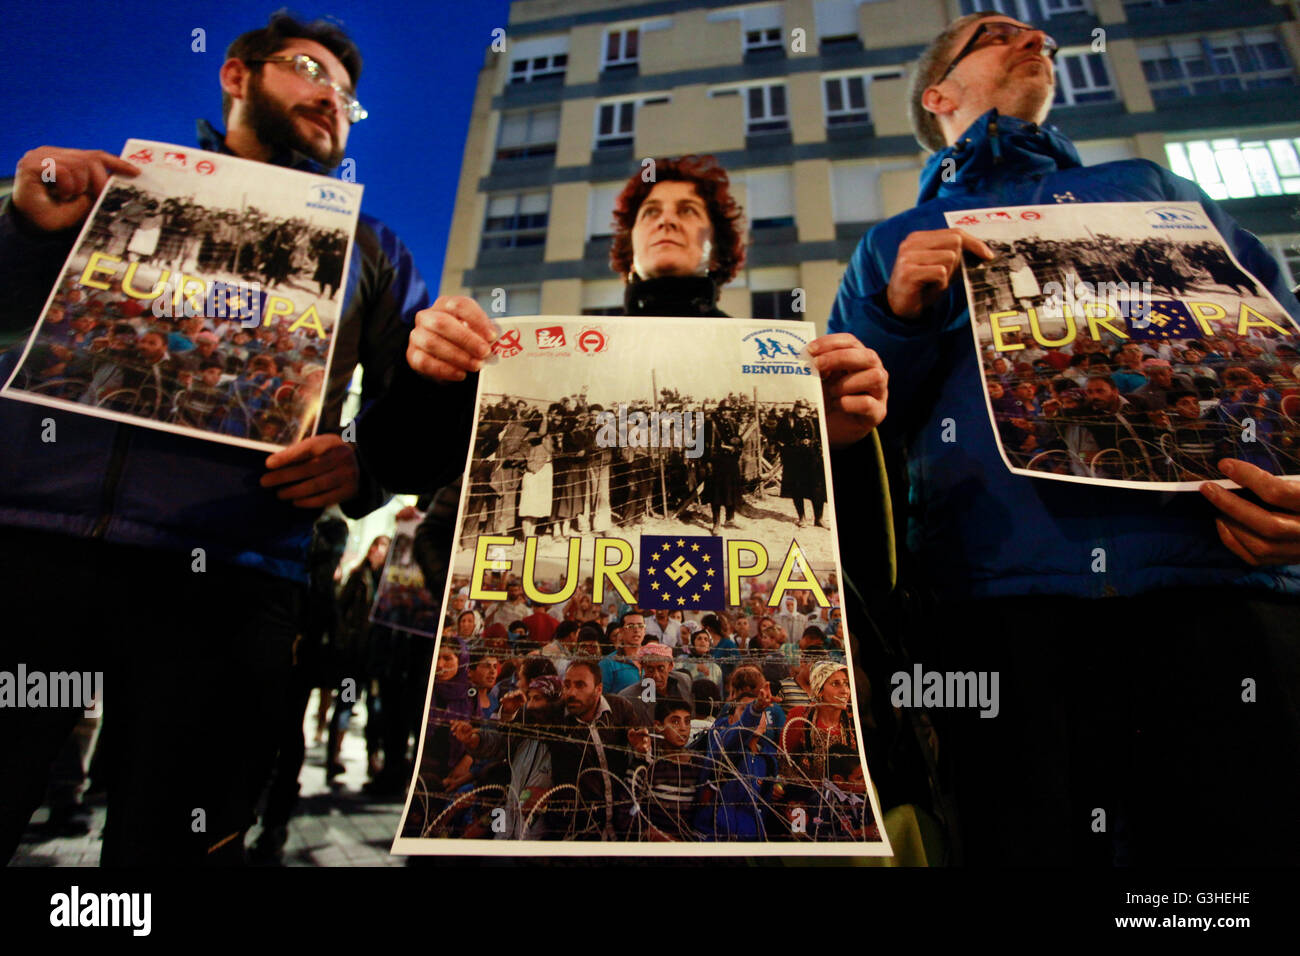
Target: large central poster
641	651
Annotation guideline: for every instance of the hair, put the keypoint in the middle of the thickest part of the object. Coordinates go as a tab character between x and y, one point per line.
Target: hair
591	665
667	705
745	680
812	630
1236	375
537	666
711	622
841	760
479	656
1102	377
282	27
711	182
929	68
622	620
565	629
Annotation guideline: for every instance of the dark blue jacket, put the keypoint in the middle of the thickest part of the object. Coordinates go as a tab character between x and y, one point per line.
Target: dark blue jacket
978	529
141	486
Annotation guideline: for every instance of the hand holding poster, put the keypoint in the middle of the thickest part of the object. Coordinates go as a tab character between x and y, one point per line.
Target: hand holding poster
1122	344
200	298
615	475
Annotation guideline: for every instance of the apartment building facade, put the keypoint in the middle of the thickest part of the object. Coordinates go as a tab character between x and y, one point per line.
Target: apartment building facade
804	103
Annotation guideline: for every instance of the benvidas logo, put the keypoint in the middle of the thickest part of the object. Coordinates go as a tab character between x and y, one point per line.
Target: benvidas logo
1170	214
329	195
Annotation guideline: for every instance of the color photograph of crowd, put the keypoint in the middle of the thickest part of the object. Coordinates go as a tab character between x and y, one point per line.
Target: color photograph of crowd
604	722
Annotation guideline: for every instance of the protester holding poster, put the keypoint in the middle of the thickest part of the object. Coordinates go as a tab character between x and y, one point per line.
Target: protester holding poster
219	533
1201	587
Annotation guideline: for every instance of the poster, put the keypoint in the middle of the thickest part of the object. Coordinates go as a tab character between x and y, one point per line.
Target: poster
613	468
200	298
1122	344
402	601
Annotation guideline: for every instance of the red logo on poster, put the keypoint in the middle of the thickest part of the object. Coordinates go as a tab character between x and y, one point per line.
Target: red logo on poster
968	220
999	216
142	156
1031	215
174	159
550	338
508	344
204	167
592	340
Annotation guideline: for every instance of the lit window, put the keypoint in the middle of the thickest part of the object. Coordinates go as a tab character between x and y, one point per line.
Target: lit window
1233	169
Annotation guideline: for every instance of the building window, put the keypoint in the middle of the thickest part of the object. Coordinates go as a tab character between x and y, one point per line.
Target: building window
614	124
769	199
516	220
1020	10
1130	5
1238	169
620	48
1224	63
517	300
769	39
765	109
527	134
534	68
1083	78
776	304
846	100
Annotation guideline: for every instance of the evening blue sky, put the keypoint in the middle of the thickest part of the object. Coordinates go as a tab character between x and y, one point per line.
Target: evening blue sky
90	75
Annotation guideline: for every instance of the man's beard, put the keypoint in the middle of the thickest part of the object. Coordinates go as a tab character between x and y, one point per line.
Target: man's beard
274	127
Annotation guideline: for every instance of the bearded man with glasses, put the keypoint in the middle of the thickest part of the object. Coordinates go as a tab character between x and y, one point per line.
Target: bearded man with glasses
1132	705
131	505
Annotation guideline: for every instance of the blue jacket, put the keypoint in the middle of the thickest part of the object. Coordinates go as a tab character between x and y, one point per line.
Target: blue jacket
141	486
978	530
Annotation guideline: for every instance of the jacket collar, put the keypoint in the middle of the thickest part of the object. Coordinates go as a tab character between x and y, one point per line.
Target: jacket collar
996	148
671	295
215	142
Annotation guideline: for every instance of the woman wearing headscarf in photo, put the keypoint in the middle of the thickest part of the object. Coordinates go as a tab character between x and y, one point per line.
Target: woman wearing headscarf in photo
812	730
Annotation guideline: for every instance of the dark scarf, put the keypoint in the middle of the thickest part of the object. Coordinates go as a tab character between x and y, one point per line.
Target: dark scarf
685	296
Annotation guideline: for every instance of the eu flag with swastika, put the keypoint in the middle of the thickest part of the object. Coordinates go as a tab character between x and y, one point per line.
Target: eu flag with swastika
681	571
1158	319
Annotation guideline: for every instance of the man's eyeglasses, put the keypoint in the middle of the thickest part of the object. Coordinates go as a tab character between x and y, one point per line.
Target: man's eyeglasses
309	69
996	33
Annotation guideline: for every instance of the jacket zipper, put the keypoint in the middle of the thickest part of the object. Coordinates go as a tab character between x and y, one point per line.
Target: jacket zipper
116	464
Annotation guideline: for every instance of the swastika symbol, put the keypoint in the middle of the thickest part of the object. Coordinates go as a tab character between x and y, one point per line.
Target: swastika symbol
681	571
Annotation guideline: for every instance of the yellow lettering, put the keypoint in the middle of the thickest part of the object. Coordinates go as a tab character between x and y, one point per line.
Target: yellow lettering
1244	323
1037	332
482	565
128	286
735	572
1206	312
94	266
276	305
1100	315
606	571
794	558
183	291
313	324
998	328
570	573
